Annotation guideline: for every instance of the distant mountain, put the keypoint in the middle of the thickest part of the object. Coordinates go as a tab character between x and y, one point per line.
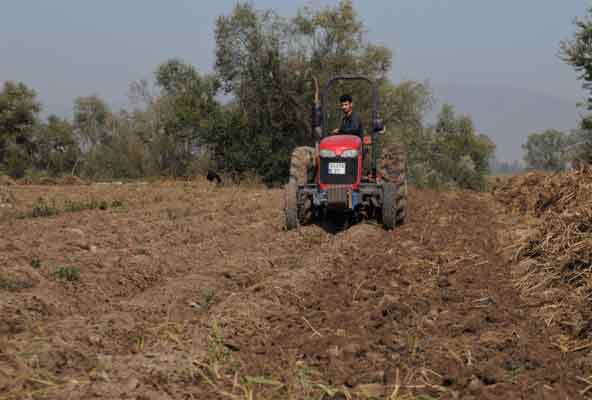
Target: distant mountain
507	115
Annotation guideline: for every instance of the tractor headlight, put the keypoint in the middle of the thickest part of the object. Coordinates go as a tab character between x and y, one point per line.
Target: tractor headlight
327	153
350	153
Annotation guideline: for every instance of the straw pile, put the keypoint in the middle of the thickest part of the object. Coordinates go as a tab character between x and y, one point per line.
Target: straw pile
536	192
555	256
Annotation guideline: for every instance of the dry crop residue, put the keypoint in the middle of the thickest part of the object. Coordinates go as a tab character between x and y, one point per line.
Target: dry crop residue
185	290
553	252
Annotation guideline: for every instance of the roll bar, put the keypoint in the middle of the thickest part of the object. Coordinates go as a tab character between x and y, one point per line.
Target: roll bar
376	124
330	84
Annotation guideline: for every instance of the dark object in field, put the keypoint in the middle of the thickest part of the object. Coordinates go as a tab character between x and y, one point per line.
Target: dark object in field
213	176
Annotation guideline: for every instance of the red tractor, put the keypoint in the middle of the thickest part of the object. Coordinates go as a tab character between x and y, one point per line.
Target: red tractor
343	174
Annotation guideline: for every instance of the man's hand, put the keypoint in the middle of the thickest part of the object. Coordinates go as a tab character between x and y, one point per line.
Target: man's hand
335	131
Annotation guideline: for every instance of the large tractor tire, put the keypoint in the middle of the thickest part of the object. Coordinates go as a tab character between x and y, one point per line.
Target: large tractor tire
402	208
302	169
302	165
393	167
291	205
389	205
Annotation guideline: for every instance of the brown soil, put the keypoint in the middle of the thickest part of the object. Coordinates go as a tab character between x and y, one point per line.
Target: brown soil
190	291
6	180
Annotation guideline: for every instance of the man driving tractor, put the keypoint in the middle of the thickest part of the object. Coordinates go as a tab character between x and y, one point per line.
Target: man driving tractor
351	124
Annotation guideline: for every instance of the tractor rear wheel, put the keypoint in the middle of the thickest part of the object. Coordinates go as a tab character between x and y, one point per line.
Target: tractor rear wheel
302	170
291	208
389	205
393	168
402	209
302	165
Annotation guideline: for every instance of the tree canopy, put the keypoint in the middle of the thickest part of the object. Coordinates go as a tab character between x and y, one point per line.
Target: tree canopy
454	153
545	150
577	51
19	113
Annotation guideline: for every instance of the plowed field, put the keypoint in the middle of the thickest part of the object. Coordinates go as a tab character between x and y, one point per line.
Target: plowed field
184	290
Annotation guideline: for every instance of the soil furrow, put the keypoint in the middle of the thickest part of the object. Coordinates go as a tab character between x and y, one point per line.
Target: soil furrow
191	291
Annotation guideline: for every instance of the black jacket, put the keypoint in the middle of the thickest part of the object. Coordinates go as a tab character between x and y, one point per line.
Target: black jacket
352	125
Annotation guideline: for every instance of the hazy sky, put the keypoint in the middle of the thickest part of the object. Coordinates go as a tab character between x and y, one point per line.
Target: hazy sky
68	48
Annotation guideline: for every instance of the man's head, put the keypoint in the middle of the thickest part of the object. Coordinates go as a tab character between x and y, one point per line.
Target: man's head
346	104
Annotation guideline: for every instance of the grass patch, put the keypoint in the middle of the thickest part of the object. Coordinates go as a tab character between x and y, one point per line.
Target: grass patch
116	203
217	351
35	263
41	208
69	274
77	206
14	284
44	208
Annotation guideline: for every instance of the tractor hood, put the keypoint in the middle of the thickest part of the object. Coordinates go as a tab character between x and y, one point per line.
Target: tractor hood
339	143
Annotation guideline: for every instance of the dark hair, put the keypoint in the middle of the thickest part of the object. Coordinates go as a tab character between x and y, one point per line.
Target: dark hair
345	98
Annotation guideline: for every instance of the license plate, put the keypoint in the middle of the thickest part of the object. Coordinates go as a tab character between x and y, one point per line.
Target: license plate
337	168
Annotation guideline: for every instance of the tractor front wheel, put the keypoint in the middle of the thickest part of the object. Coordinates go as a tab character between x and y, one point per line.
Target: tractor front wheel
394	204
402	209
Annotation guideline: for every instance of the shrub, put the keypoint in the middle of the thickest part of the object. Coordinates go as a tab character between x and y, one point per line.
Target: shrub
70	274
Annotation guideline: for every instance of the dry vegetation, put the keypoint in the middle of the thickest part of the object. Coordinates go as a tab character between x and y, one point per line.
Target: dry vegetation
553	250
187	290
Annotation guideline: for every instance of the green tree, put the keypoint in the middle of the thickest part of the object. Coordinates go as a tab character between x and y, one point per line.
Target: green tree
454	153
125	155
146	122
187	107
333	39
447	122
270	89
92	121
56	149
577	51
403	107
19	110
172	121
578	145
546	150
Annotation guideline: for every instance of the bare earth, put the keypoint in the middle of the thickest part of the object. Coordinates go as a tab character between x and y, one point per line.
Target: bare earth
189	291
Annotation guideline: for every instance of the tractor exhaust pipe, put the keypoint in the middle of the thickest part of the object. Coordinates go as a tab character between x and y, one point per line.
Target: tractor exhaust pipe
317	120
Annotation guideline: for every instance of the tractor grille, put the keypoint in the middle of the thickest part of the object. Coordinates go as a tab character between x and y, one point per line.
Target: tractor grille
337	195
349	177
